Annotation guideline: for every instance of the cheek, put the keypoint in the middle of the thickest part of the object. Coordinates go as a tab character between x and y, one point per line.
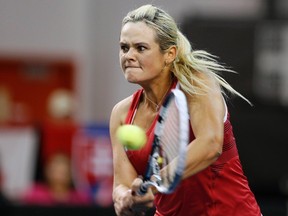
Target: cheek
153	64
121	60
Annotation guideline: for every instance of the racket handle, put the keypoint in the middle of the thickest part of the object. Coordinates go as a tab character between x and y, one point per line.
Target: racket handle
143	189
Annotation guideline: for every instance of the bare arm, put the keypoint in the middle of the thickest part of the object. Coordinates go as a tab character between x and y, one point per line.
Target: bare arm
206	118
125	176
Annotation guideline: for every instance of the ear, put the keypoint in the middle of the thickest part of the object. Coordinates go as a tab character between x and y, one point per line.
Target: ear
171	54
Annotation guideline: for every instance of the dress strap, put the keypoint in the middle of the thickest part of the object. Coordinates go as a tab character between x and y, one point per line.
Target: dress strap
133	107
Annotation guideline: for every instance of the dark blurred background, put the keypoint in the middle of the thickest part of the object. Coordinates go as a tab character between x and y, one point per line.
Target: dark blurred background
58	57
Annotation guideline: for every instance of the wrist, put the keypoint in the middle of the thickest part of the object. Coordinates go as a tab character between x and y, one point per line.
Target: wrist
119	192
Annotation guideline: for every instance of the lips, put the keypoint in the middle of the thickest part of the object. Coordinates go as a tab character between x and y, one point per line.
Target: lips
130	66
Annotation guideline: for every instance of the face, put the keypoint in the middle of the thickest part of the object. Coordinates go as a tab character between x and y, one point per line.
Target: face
58	171
140	55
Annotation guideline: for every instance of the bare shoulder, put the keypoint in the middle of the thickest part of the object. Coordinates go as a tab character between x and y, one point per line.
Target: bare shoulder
209	105
119	113
211	88
208	79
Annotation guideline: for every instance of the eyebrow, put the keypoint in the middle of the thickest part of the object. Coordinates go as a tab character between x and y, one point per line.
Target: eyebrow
134	44
123	43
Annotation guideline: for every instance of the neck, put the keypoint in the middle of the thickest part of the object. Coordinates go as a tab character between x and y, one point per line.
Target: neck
157	103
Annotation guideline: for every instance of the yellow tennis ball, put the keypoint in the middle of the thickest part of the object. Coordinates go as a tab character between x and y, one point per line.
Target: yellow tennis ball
131	136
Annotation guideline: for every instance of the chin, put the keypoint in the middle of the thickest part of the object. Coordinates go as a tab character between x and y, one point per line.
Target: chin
130	78
132	81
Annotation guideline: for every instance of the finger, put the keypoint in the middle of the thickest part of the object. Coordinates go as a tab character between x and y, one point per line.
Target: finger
140	214
136	185
127	212
143	203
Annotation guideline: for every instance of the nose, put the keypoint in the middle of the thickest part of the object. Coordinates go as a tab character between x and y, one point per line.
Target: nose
130	54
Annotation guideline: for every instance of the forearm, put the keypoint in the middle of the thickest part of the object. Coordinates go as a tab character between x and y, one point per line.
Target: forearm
200	156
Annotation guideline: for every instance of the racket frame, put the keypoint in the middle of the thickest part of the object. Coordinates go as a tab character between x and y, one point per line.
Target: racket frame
153	168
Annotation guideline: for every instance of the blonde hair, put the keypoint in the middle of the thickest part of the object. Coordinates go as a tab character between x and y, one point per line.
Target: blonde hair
188	61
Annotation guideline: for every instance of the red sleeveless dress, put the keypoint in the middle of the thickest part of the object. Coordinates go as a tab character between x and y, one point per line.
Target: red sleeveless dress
219	190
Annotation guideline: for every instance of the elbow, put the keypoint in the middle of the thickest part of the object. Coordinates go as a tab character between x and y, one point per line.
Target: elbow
215	145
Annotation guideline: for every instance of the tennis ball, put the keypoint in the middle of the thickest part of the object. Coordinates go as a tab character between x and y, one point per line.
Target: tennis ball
131	136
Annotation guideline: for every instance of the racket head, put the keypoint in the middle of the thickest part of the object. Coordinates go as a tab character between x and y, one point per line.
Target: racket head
168	156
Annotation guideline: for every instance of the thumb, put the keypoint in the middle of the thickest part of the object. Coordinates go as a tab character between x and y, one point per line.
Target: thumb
136	185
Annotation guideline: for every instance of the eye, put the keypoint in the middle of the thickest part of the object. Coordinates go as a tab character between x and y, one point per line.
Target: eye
141	48
124	48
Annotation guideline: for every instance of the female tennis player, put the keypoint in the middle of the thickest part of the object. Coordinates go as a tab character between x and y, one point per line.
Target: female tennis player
157	56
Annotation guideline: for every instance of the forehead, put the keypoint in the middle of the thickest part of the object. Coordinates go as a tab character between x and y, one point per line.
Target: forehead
137	32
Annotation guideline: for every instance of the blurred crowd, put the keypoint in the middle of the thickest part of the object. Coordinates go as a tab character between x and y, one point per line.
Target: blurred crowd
56	188
70	167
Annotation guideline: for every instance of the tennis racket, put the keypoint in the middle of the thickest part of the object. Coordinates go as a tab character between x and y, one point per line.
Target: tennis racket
168	155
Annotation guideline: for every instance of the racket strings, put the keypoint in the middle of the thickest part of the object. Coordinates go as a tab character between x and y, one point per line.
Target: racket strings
170	144
168	156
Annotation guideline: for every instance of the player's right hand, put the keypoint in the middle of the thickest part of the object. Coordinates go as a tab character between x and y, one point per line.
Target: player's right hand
144	202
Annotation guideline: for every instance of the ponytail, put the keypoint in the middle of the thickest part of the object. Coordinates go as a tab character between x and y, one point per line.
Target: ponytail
189	62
